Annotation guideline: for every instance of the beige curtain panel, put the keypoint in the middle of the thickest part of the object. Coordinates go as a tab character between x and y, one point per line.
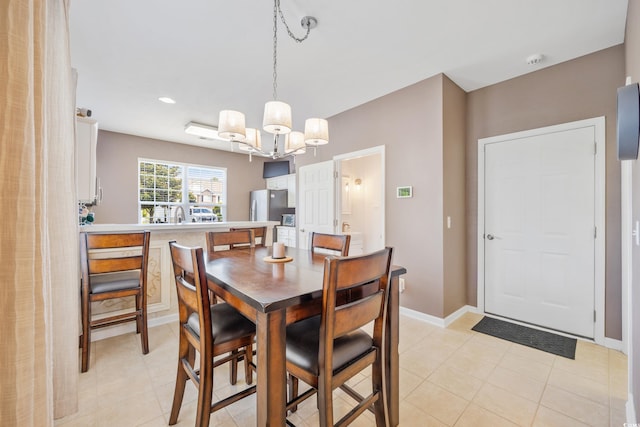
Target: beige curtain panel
39	269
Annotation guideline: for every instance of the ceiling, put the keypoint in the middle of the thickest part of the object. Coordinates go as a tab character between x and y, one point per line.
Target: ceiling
212	55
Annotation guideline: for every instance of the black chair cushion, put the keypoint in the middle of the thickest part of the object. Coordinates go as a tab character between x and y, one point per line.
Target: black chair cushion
110	282
303	342
227	324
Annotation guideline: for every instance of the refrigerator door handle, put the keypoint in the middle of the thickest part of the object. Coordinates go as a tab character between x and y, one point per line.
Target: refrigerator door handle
252	210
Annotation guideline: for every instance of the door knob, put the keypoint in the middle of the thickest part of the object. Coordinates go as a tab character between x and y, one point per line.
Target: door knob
490	237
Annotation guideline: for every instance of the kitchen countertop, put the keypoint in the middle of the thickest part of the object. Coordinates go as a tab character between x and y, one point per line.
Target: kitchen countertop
186	226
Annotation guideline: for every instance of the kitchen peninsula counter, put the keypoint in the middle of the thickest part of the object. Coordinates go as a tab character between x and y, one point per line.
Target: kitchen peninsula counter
185	226
162	305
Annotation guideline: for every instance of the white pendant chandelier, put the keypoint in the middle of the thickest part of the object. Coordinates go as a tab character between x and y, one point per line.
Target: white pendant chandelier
277	114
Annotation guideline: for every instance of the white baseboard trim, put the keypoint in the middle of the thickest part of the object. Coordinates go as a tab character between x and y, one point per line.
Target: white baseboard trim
438	321
631	411
443	323
125	328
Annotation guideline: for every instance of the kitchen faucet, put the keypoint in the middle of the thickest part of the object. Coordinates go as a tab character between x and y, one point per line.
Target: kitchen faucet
179	215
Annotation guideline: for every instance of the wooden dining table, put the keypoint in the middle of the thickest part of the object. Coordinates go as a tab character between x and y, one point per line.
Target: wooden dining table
275	294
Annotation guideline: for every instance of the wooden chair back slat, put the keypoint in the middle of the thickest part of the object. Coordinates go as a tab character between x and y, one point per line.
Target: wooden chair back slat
114	240
351	317
227	240
331	242
259	233
113	265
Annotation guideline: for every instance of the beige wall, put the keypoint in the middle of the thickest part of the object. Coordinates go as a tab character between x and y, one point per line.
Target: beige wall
632	57
117	167
454	119
422	128
574	90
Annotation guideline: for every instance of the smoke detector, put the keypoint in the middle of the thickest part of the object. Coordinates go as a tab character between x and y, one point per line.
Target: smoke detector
535	59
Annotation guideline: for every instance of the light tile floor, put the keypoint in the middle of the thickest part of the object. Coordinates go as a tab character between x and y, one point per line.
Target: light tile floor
448	377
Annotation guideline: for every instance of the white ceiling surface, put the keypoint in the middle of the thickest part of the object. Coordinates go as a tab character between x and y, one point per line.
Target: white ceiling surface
213	55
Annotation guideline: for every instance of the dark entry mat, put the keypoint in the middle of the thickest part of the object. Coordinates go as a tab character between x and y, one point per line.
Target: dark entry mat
542	340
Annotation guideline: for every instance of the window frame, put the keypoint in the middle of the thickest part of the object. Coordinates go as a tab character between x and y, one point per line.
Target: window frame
185	204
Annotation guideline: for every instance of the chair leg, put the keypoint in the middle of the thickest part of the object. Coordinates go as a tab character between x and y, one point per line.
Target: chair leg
376	384
233	372
142	324
205	392
293	391
86	334
248	358
178	394
325	403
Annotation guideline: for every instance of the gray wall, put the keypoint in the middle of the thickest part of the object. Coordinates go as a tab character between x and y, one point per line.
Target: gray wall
574	90
454	244
410	124
632	56
117	167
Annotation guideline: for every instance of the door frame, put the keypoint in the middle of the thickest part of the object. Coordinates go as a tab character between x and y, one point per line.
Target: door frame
380	149
599	263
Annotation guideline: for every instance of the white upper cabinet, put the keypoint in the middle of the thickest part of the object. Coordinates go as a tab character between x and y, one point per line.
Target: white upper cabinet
277	183
86	144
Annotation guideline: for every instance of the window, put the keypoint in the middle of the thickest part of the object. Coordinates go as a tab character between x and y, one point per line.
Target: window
169	190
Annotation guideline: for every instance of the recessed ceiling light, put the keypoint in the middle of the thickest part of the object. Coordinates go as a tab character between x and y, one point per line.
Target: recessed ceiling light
166	100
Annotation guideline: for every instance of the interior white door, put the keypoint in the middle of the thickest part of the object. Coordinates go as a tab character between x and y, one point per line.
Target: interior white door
316	200
539	231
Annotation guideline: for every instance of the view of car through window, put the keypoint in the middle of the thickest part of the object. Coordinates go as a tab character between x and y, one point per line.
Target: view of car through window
202	215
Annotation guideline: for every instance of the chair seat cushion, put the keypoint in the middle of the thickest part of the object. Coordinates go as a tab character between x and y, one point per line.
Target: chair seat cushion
227	324
110	282
303	339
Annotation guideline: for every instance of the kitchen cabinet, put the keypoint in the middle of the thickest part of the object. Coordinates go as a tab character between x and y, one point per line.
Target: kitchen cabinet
286	235
284	182
277	183
86	145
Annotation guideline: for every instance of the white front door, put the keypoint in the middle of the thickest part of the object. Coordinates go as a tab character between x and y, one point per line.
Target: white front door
539	229
315	211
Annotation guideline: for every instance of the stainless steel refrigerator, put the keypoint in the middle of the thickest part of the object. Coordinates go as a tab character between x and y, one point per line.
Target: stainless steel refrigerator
268	205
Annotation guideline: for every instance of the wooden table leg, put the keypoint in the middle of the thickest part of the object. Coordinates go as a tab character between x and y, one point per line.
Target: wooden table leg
271	387
392	331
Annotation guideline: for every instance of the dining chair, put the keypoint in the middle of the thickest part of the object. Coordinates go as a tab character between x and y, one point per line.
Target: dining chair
210	330
113	265
260	234
326	350
330	243
227	240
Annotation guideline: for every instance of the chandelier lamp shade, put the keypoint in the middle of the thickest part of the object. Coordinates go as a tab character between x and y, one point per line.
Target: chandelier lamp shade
252	141
277	114
277	118
231	125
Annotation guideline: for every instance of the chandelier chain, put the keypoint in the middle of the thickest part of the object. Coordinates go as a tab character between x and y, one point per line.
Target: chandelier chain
276	4
278	11
299	40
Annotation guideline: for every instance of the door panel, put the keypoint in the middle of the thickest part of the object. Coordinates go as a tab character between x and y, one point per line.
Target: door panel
539	230
316	197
